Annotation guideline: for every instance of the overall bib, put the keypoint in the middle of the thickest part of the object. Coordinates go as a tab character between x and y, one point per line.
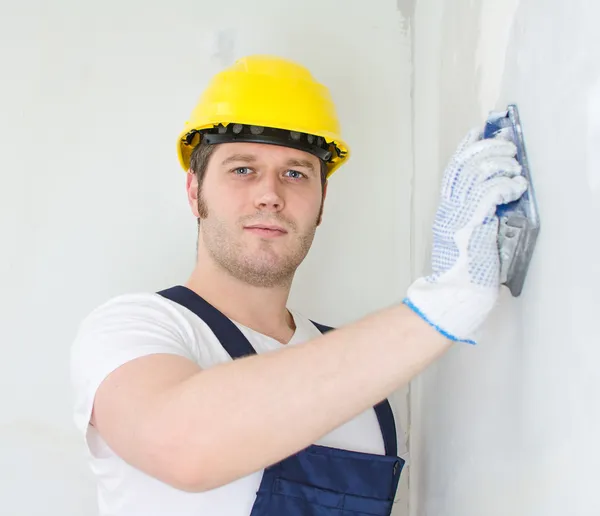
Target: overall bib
319	480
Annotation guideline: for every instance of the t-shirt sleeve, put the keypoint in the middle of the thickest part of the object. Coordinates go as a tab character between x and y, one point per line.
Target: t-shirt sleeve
124	328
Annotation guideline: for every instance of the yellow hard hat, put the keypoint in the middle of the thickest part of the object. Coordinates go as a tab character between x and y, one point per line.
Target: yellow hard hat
266	99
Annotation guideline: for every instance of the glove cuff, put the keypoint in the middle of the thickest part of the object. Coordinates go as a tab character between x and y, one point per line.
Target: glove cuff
455	312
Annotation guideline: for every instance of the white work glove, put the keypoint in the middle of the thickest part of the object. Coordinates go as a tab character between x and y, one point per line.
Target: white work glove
465	283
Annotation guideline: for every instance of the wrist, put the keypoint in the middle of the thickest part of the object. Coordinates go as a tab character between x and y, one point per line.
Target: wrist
455	311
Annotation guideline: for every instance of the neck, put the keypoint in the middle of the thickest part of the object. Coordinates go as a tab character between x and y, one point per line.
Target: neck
262	309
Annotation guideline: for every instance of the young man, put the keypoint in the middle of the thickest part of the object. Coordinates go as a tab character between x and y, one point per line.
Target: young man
214	398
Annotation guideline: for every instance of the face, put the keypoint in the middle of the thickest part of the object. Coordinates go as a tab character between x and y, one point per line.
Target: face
259	207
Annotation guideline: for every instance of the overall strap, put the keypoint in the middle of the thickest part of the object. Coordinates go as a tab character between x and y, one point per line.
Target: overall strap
384	413
229	335
237	346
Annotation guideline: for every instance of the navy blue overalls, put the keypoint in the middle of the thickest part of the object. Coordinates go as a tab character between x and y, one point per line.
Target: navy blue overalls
319	480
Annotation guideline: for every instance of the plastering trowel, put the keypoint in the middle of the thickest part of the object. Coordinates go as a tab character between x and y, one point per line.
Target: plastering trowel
519	220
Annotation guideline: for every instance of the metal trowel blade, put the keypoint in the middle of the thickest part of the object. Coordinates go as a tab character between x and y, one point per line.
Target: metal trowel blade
519	220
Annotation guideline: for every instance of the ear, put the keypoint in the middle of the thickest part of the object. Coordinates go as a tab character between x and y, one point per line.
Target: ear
191	185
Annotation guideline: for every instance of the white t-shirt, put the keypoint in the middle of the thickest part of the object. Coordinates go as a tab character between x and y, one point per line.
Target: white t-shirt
134	325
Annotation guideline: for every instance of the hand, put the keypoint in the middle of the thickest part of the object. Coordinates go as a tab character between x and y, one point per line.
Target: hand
465	282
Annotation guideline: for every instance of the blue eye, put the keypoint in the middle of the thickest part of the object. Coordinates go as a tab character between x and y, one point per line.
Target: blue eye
297	175
242	171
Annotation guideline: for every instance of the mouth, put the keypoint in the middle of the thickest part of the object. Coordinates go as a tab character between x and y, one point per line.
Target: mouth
266	230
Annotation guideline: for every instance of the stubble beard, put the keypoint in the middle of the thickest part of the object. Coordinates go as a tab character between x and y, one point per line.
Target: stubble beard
264	268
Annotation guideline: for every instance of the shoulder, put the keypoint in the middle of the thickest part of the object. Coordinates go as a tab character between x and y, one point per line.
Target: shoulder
134	324
143	319
123	328
131	309
134	311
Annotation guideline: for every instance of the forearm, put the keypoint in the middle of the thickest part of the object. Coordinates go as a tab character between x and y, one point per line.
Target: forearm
239	417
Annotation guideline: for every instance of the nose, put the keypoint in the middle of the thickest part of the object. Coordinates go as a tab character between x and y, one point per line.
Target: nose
269	196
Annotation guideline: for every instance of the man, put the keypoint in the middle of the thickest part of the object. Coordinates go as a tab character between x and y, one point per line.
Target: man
214	398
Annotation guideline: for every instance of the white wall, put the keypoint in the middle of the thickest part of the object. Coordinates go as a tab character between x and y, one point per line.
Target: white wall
92	202
512	426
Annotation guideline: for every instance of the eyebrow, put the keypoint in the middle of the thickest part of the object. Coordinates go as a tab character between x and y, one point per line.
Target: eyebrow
245	158
251	158
301	163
